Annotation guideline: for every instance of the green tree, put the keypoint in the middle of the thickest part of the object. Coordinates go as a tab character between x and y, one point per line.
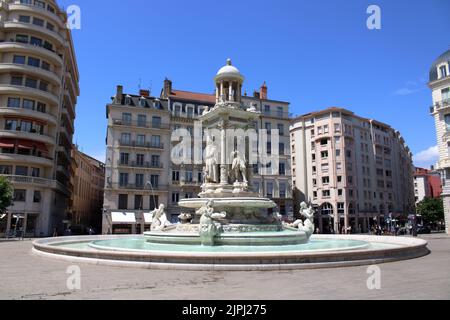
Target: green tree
6	194
431	209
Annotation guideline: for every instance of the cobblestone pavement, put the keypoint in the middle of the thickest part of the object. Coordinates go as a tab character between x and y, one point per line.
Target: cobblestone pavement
26	276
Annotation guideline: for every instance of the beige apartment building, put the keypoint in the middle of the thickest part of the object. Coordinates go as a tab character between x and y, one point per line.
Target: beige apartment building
88	187
440	110
355	171
38	93
140	173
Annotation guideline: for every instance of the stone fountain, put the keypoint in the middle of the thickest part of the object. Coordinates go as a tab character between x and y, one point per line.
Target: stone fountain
229	213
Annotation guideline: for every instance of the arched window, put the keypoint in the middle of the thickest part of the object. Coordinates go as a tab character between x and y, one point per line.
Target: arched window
327	209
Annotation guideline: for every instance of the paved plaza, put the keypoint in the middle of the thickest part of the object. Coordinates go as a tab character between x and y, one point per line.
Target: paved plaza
26	276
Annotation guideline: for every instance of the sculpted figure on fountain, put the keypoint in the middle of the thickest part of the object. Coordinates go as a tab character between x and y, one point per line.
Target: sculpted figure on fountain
211	170
210	227
159	221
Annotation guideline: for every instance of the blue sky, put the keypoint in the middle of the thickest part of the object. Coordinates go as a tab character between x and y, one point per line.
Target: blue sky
314	54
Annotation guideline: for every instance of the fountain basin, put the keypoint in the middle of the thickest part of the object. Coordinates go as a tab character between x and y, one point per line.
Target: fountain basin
256	238
323	252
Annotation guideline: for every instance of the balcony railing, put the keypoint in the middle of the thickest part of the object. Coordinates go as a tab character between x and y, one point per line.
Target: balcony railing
143	165
35	154
136	144
141	124
277	114
440	105
134	186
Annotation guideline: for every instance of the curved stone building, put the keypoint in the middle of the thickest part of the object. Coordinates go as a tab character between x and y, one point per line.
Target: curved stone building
440	110
38	93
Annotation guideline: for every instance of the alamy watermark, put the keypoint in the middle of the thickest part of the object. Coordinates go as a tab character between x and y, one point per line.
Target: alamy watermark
73	17
374	20
374	280
73	282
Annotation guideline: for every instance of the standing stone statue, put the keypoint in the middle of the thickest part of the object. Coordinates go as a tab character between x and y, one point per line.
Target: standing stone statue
211	171
238	168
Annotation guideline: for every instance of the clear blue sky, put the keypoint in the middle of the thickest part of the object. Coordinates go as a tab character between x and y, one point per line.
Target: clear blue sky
314	54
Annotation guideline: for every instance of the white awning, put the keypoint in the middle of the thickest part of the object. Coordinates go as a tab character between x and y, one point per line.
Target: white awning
123	217
148	217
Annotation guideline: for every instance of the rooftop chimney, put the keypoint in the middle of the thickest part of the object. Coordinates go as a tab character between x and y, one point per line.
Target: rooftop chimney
263	91
144	93
167	88
256	95
119	94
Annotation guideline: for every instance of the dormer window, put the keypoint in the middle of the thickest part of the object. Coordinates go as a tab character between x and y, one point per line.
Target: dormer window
128	100
443	71
142	102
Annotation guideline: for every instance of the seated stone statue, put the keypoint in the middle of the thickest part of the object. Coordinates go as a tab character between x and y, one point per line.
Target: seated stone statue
159	221
307	226
209	225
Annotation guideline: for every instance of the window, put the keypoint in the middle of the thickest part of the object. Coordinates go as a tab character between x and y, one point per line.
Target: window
16	81
269	189
140	140
323	142
443	71
138	202
341	208
140	160
175	197
50	8
38	22
41	107
126	138
36	42
324	154
50	26
22	38
156	122
126	118
281	149
37	197
19	59
154	202
20	195
175	176
282	190
340	192
142	120
156	141
31	83
45	66
155	161
188	176
339	179
35	172
199	176
337	128
11	124
326	194
123	202
28	104
326	180
124	158
282	169
5	170
154	180
445	94
123	179
325	129
21	171
447	122
338	153
24	19
268	127
40	4
281	129
13	103
139	181
43	86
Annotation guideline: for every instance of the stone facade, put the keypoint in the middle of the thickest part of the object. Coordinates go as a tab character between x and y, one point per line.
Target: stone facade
356	171
38	93
440	110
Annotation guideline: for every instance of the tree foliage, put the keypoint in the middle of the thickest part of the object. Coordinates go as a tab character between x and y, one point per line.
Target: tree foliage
6	194
431	209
